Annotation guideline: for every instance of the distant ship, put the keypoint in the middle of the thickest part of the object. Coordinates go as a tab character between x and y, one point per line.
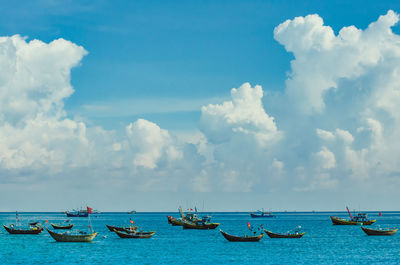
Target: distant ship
80	213
261	214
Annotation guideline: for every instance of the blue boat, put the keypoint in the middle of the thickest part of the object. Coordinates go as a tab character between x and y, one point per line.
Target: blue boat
80	213
261	214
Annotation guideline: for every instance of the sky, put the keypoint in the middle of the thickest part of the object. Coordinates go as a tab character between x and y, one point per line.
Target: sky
223	105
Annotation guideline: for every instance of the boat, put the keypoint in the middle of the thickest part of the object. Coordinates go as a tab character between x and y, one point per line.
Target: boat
359	219
135	235
19	231
80	213
58	226
262	214
241	238
118	228
132	212
177	221
287	235
204	224
69	237
379	231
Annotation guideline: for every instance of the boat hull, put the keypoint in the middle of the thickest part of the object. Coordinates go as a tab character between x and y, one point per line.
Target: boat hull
77	214
207	226
341	221
22	231
62	226
135	235
276	235
71	238
253	215
241	238
374	232
121	229
176	222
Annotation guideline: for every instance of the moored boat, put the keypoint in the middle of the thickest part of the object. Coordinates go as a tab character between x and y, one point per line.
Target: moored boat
59	226
200	225
246	238
69	237
359	219
261	214
118	228
19	231
135	235
379	231
354	221
287	235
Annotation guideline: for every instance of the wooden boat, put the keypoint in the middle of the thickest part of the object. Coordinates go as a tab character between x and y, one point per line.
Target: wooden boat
200	225
18	231
359	221
177	221
56	226
379	231
288	235
135	235
241	238
64	237
126	229
169	219
261	214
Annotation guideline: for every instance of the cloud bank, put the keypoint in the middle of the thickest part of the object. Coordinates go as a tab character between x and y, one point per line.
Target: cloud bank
336	124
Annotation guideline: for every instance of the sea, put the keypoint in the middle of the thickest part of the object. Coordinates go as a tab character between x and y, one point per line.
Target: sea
323	242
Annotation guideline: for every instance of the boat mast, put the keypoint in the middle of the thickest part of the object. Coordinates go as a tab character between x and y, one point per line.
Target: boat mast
351	217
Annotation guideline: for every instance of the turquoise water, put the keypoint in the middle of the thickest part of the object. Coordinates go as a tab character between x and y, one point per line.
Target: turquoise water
322	244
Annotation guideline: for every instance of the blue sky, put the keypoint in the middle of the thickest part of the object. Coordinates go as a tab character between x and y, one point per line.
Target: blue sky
150	79
174	49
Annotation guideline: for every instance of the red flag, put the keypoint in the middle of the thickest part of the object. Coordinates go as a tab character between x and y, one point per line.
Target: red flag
89	210
249	225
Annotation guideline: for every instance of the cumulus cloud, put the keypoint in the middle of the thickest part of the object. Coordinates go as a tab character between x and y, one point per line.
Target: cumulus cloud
345	86
150	143
244	115
336	123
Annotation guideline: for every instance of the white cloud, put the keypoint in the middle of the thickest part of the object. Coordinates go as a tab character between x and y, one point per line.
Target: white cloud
325	158
325	135
244	115
150	143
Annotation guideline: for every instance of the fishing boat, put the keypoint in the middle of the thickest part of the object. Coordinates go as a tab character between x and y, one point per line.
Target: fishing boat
287	235
80	213
359	219
16	229
379	231
204	223
118	228
72	237
33	230
241	238
60	226
261	214
135	235
177	221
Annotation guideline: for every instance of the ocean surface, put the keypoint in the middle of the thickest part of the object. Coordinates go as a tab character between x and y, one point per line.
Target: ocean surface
323	243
